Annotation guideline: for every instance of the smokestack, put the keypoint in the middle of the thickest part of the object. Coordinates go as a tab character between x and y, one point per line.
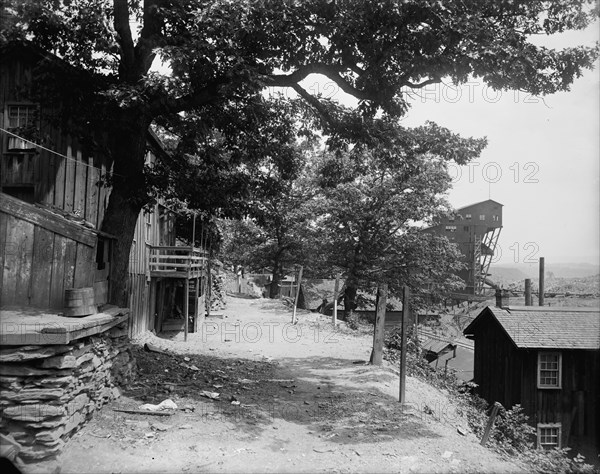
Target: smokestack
541	289
528	301
501	298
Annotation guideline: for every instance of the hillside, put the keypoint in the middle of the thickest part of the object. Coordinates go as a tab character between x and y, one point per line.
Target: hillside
568	273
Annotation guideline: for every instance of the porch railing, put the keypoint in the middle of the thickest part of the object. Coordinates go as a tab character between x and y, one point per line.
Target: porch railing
177	262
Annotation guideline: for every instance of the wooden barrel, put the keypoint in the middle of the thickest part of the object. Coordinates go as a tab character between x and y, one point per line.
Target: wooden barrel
79	302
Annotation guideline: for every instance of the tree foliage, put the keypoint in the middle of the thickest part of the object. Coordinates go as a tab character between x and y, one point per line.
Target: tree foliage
374	200
221	54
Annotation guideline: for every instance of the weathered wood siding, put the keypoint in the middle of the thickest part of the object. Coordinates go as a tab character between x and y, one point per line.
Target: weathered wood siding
69	179
38	259
37	262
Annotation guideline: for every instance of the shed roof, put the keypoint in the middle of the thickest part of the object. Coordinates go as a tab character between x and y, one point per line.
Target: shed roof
315	290
478	203
531	327
436	345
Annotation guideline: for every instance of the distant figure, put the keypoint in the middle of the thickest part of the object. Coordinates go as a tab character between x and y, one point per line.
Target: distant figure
240	275
322	306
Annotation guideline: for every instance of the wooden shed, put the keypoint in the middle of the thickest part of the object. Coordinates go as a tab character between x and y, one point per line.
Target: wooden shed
547	359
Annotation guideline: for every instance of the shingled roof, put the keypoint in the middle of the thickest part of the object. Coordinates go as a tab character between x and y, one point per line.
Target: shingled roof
541	327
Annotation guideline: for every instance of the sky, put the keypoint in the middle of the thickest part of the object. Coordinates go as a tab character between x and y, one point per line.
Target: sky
541	161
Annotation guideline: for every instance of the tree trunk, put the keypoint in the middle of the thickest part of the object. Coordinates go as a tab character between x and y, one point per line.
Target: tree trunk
127	198
349	300
274	288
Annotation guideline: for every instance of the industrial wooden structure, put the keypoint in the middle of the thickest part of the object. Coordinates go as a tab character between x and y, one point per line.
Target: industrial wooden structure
476	229
547	359
54	194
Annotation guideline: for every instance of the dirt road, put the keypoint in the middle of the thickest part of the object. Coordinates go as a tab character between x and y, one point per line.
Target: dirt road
291	398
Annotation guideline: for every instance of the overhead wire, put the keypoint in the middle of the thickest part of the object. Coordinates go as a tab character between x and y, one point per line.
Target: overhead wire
37	145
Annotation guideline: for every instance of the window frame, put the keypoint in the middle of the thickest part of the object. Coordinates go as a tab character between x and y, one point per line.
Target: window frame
540	427
33	122
559	370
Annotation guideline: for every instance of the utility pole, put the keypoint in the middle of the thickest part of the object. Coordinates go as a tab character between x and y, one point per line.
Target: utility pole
528	292
379	330
336	289
541	285
404	323
297	295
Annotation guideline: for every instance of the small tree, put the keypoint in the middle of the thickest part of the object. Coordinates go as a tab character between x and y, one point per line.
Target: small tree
371	200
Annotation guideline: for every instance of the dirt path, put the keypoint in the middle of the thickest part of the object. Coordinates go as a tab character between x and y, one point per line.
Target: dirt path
305	405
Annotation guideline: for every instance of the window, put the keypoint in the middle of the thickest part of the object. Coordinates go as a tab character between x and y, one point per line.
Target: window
467	216
466	228
451	228
548	435
481	217
148	216
22	120
451	218
495	218
549	370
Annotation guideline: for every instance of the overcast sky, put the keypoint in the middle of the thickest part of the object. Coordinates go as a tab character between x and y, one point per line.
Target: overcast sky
541	161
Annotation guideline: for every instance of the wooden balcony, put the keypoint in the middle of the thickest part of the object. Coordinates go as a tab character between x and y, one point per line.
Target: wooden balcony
177	262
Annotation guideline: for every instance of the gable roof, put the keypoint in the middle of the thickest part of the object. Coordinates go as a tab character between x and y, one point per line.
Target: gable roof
478	203
541	327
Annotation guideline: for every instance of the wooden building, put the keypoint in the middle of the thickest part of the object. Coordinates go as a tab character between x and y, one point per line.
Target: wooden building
475	229
547	359
52	204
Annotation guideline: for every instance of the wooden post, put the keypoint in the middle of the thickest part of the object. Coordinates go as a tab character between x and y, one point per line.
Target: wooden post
196	304
404	321
186	308
161	305
379	330
490	423
208	288
336	290
541	285
528	292
297	295
194	231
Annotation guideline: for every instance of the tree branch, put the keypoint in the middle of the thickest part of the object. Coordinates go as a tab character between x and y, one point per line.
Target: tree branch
420	85
202	97
121	23
316	104
144	50
328	70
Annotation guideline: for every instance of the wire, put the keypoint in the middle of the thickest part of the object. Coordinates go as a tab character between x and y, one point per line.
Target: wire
37	145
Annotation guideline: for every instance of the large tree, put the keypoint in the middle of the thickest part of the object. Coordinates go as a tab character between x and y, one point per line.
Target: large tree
223	52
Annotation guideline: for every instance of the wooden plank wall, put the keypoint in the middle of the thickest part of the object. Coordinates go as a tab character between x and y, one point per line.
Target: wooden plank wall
37	265
70	180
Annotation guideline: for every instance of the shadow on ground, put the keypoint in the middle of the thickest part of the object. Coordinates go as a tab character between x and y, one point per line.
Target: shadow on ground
338	399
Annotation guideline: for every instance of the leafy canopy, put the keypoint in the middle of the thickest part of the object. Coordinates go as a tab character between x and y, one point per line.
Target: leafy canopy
219	50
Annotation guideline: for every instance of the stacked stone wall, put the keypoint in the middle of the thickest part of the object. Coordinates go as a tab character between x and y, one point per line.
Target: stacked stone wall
48	392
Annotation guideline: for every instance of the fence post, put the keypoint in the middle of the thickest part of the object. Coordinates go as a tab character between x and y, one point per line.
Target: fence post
336	289
297	295
490	423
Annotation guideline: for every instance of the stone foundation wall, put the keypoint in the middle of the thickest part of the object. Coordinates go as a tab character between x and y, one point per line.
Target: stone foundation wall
48	392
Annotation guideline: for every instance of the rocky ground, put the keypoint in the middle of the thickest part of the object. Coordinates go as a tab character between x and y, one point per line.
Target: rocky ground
255	393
